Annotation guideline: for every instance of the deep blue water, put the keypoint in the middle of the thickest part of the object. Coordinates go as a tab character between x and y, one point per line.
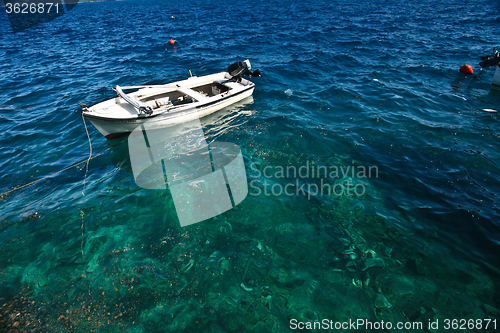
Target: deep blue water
371	83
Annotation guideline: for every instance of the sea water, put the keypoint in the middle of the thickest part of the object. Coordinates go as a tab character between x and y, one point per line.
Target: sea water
346	87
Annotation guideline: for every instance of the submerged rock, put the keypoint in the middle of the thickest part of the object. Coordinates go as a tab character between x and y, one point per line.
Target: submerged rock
372	262
280	274
185	268
225	228
351	255
381	302
369	254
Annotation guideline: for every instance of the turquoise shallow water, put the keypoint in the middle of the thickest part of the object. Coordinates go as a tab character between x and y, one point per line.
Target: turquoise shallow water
344	85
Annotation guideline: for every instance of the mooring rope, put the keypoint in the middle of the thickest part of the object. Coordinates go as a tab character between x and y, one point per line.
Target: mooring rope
57	172
52	174
90	154
82	214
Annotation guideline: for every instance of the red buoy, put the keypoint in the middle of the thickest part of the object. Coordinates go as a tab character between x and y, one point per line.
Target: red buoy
466	69
172	42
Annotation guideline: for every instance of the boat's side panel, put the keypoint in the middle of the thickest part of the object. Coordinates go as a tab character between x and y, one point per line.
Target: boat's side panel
116	128
211	109
119	108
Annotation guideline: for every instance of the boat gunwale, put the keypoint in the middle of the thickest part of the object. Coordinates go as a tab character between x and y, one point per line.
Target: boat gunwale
140	117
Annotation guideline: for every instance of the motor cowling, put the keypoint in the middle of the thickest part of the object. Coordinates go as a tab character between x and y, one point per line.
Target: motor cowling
237	69
240	68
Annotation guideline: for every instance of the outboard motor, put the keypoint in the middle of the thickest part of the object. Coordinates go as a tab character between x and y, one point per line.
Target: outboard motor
240	68
490	60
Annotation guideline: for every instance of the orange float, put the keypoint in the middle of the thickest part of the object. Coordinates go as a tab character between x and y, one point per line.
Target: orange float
466	69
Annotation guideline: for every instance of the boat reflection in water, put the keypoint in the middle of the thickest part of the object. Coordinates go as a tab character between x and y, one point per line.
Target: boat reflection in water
204	178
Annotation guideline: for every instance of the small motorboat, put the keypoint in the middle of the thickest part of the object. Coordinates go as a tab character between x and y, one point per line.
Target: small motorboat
171	103
492	60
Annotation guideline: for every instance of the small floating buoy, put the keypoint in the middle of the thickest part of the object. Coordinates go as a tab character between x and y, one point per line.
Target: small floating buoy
466	69
171	42
172	17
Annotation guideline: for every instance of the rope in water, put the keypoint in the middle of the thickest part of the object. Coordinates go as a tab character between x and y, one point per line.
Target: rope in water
90	154
82	214
55	173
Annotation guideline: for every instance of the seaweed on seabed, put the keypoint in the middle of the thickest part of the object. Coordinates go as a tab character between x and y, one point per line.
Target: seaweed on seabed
25	312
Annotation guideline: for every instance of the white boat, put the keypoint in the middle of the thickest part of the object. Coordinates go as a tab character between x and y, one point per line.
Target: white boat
492	60
171	103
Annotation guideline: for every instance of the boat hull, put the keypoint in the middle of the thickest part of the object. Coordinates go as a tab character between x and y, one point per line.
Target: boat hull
496	77
116	128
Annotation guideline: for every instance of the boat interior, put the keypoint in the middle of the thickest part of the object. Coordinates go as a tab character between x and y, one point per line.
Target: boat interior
183	96
211	89
170	98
